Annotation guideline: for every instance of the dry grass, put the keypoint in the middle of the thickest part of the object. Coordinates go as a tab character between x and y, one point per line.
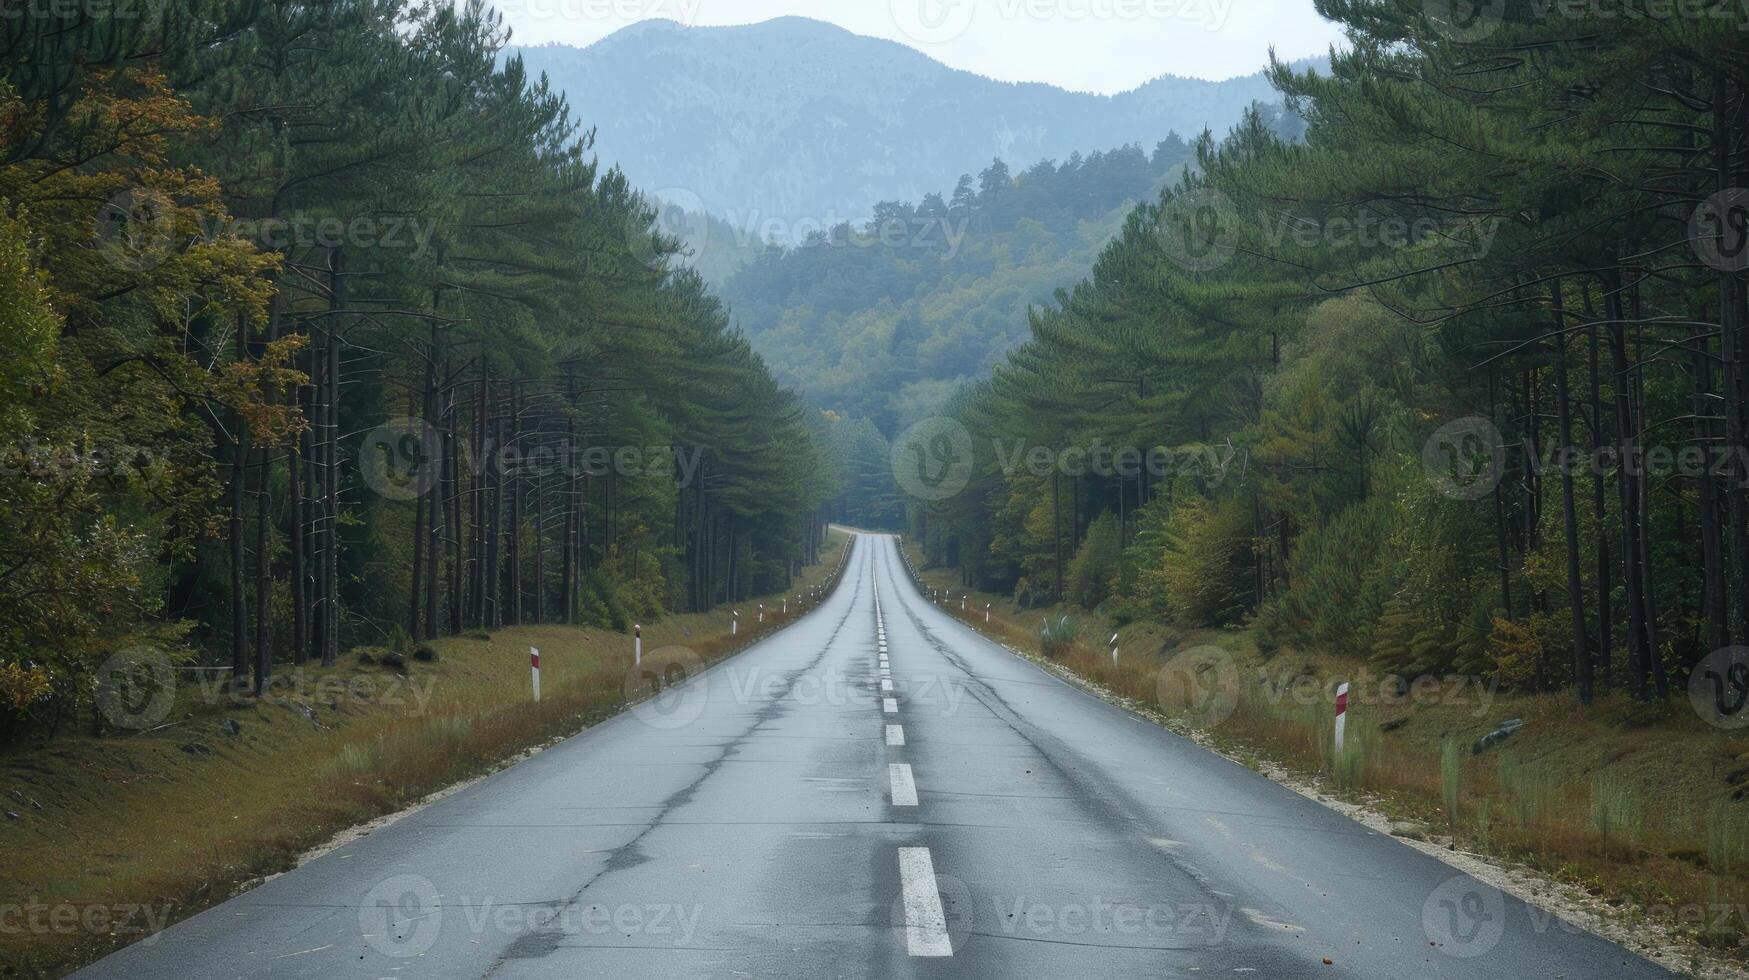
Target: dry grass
176	819
1647	808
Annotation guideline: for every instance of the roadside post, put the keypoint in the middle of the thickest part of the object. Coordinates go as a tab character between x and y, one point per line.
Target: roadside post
637	644
1113	642
1341	713
534	669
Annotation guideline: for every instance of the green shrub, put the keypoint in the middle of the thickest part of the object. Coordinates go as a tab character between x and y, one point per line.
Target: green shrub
1615	811
1092	573
1338	592
1054	639
1206	562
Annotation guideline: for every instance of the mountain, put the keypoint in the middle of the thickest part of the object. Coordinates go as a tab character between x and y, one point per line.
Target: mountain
804	125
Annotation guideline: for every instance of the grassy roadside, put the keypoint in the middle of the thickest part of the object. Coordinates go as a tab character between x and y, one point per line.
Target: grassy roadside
115	837
1646	814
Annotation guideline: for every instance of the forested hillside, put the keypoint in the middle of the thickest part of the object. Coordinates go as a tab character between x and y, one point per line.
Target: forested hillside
1455	384
877	321
799	120
323	327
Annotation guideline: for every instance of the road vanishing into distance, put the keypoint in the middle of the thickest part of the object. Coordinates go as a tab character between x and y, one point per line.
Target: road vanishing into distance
875	791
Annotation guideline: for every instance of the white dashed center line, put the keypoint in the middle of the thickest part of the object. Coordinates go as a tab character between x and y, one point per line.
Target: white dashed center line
925	923
904	786
895	734
886	686
889	706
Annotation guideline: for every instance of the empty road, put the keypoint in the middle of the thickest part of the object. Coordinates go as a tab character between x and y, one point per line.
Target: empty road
876	791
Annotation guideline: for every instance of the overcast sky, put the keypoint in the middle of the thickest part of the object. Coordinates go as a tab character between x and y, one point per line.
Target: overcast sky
1092	45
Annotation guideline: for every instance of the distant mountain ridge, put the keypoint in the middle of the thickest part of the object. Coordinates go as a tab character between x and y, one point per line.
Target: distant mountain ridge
798	120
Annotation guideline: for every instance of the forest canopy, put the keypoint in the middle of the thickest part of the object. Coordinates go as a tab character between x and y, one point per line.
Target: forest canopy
324	327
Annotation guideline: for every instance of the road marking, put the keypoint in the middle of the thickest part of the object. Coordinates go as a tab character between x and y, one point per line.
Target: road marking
889	706
886	686
895	734
904	787
925	923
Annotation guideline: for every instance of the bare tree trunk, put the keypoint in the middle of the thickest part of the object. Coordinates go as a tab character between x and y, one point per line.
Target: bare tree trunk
453	495
1569	518
433	488
299	592
1500	532
1627	447
513	484
331	459
239	585
1714	602
1599	507
416	584
263	544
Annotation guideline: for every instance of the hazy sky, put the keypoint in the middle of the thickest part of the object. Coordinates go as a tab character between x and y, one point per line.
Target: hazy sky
1093	45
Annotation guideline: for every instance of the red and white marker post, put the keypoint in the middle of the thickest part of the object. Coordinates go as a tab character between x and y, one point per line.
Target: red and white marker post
534	669
1341	713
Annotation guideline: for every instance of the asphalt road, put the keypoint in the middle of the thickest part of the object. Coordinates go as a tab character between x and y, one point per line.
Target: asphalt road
781	815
